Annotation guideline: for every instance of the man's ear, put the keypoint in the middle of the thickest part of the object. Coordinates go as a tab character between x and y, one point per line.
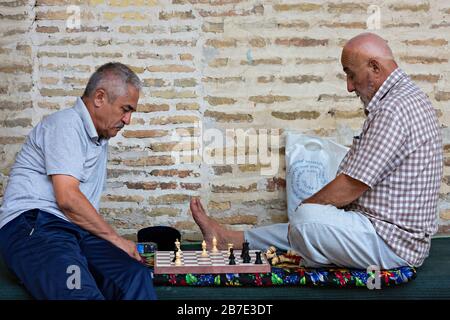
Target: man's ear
99	97
374	66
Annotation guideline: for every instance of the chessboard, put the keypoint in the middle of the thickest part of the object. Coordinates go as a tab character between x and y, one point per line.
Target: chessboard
214	263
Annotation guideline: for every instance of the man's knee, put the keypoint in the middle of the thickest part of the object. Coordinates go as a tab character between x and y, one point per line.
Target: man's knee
139	284
300	239
140	271
301	229
311	240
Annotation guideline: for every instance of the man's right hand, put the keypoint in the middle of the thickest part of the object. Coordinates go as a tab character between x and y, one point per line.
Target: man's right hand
128	246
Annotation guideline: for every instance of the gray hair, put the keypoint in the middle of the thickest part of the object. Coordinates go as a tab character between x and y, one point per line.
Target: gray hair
114	78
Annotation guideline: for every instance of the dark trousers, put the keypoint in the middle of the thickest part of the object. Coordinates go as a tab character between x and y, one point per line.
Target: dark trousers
56	259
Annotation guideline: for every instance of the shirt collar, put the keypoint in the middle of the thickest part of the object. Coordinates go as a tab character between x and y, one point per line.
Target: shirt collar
391	80
85	116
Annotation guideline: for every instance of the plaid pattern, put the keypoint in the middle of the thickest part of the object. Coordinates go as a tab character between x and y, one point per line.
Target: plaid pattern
399	156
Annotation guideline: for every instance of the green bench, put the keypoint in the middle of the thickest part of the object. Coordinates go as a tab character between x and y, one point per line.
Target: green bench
432	282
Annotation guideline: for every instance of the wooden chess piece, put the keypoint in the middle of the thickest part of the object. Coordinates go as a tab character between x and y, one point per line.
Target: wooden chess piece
271	255
230	246
214	243
271	252
174	254
178	245
178	258
258	258
246	258
232	258
204	252
245	249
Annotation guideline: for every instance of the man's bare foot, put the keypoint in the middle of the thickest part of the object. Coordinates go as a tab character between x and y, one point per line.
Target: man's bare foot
211	228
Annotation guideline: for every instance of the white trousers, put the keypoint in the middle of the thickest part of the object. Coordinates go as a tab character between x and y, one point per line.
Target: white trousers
325	236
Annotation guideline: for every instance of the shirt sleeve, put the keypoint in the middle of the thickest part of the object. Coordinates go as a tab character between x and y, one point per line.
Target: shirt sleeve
64	150
379	151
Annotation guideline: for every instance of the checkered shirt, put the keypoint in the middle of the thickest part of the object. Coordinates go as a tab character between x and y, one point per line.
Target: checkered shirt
399	156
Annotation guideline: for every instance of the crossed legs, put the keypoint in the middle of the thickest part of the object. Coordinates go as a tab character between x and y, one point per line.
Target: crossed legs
322	235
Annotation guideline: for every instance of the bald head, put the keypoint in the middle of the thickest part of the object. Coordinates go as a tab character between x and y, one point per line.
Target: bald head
368	61
369	46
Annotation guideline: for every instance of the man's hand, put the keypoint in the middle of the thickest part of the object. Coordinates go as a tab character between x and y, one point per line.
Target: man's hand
128	246
77	208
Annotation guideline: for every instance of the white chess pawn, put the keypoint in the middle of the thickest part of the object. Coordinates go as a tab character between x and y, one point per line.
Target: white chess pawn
214	243
204	252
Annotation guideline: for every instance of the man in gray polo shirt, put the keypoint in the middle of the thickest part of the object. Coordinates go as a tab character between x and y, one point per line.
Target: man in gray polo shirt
51	234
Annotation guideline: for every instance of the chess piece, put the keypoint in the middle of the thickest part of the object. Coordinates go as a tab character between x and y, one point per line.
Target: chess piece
271	255
245	249
178	247
230	246
246	258
275	260
178	258
271	252
174	254
285	259
258	258
232	258
214	243
204	252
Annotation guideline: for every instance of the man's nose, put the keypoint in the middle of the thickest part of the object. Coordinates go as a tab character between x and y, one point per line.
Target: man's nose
127	118
350	86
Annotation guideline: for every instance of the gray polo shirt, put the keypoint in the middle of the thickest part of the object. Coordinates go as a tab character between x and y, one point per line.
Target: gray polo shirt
65	142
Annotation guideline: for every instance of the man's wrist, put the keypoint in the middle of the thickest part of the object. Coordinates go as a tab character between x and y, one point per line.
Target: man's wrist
114	238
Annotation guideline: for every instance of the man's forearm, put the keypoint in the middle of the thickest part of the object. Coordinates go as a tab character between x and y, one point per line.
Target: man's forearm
81	212
340	192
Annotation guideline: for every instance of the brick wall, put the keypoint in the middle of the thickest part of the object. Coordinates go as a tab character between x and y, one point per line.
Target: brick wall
209	66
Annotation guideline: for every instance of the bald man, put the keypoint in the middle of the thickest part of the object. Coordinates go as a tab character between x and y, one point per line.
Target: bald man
381	209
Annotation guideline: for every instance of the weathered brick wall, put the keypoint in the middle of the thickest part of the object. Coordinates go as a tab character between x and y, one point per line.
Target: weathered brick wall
209	64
